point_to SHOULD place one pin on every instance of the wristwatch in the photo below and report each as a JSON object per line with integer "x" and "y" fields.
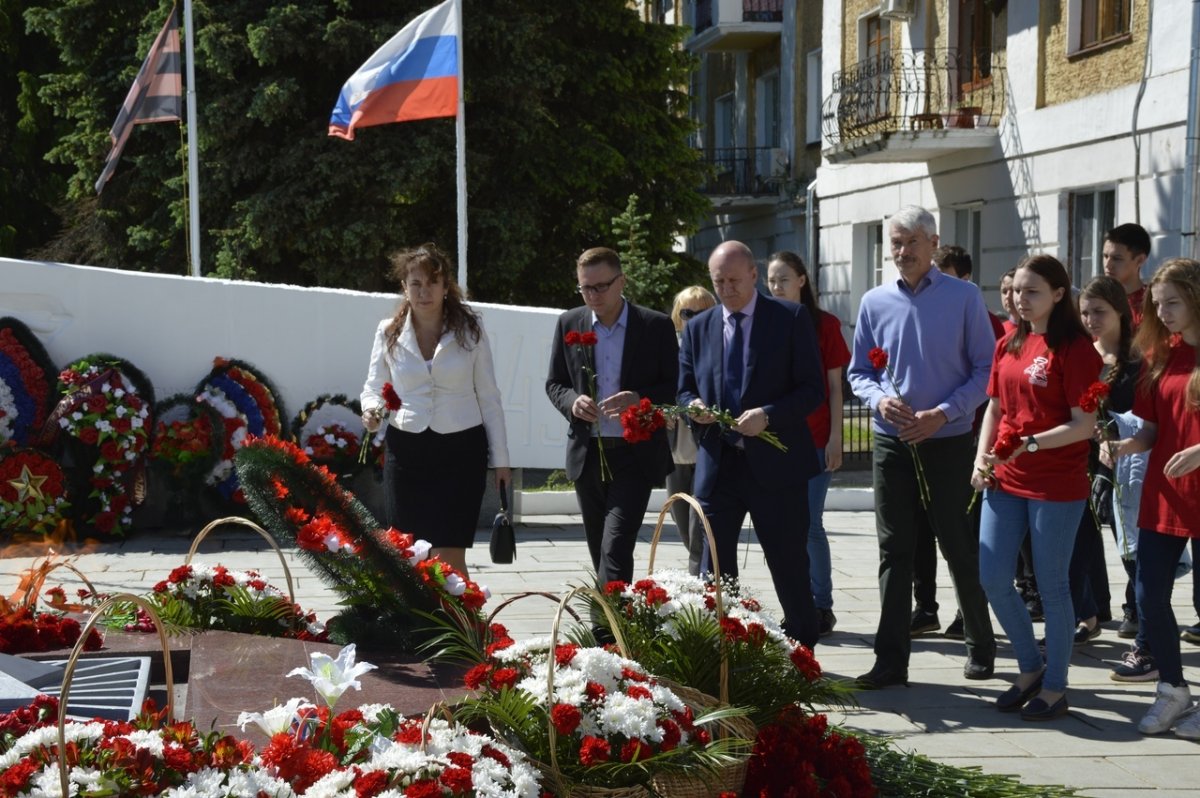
{"x": 1031, "y": 444}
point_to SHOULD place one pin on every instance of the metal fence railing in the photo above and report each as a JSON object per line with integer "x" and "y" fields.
{"x": 857, "y": 439}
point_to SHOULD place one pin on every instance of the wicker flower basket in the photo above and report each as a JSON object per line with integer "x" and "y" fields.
{"x": 731, "y": 777}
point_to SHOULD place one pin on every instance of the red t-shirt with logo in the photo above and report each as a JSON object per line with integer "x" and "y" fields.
{"x": 1037, "y": 389}
{"x": 1171, "y": 506}
{"x": 834, "y": 355}
{"x": 1135, "y": 306}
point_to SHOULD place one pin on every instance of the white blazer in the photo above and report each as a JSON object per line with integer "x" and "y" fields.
{"x": 457, "y": 393}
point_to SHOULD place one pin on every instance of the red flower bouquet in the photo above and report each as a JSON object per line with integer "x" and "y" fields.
{"x": 880, "y": 362}
{"x": 640, "y": 421}
{"x": 391, "y": 405}
{"x": 1005, "y": 444}
{"x": 585, "y": 343}
{"x": 799, "y": 755}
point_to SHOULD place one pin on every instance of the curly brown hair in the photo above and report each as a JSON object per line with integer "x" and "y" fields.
{"x": 1153, "y": 337}
{"x": 457, "y": 317}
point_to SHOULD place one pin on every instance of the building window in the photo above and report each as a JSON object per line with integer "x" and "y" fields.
{"x": 875, "y": 89}
{"x": 768, "y": 97}
{"x": 968, "y": 223}
{"x": 723, "y": 121}
{"x": 974, "y": 65}
{"x": 874, "y": 255}
{"x": 1092, "y": 214}
{"x": 1092, "y": 23}
{"x": 812, "y": 109}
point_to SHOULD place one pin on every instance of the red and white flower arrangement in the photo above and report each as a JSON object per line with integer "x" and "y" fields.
{"x": 332, "y": 446}
{"x": 666, "y": 618}
{"x": 102, "y": 409}
{"x": 614, "y": 724}
{"x": 799, "y": 755}
{"x": 215, "y": 597}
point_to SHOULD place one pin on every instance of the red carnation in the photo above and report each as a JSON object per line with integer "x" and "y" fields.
{"x": 594, "y": 691}
{"x": 587, "y": 339}
{"x": 878, "y": 358}
{"x": 368, "y": 785}
{"x": 425, "y": 788}
{"x": 390, "y": 397}
{"x": 571, "y": 338}
{"x": 566, "y": 718}
{"x": 89, "y": 435}
{"x": 637, "y": 691}
{"x": 1006, "y": 443}
{"x": 636, "y": 750}
{"x": 458, "y": 780}
{"x": 1093, "y": 397}
{"x": 504, "y": 677}
{"x": 594, "y": 751}
{"x": 563, "y": 654}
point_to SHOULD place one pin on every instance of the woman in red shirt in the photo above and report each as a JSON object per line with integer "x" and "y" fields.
{"x": 1168, "y": 400}
{"x": 788, "y": 279}
{"x": 1038, "y": 482}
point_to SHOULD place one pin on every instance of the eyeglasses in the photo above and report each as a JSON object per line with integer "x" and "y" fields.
{"x": 598, "y": 288}
{"x": 687, "y": 313}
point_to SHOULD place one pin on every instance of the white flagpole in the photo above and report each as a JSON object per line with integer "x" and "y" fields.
{"x": 460, "y": 137}
{"x": 193, "y": 158}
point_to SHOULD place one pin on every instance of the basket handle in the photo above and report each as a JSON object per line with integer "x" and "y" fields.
{"x": 77, "y": 651}
{"x": 528, "y": 594}
{"x": 438, "y": 708}
{"x": 716, "y": 564}
{"x": 616, "y": 630}
{"x": 264, "y": 534}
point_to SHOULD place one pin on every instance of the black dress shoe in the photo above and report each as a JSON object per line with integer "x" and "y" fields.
{"x": 1037, "y": 709}
{"x": 881, "y": 676}
{"x": 978, "y": 668}
{"x": 1014, "y": 697}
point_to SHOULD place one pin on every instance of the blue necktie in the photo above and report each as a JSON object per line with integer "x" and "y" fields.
{"x": 731, "y": 398}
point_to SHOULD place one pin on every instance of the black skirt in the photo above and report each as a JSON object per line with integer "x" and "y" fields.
{"x": 434, "y": 483}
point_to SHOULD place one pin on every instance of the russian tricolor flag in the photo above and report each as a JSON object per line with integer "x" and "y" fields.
{"x": 413, "y": 76}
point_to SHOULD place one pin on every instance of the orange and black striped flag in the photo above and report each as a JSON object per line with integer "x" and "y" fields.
{"x": 155, "y": 96}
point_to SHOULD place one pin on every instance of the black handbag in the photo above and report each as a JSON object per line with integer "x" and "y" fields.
{"x": 503, "y": 545}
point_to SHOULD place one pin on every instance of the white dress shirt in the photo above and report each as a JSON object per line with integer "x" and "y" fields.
{"x": 457, "y": 392}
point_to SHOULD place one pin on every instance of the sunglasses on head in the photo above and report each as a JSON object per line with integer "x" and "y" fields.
{"x": 687, "y": 313}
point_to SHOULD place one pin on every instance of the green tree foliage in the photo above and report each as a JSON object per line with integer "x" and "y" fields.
{"x": 571, "y": 107}
{"x": 29, "y": 187}
{"x": 652, "y": 284}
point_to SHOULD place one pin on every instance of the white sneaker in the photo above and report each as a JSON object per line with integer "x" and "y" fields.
{"x": 1170, "y": 703}
{"x": 1189, "y": 726}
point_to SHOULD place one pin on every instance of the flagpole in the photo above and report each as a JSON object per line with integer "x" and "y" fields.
{"x": 460, "y": 137}
{"x": 193, "y": 158}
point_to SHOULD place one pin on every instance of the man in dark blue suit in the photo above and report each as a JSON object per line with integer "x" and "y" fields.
{"x": 756, "y": 357}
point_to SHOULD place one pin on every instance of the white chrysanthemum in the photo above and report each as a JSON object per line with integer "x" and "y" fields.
{"x": 633, "y": 717}
{"x": 332, "y": 785}
{"x": 46, "y": 736}
{"x": 151, "y": 741}
{"x": 372, "y": 712}
{"x": 521, "y": 649}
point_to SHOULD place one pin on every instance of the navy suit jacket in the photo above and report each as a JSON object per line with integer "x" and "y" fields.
{"x": 783, "y": 377}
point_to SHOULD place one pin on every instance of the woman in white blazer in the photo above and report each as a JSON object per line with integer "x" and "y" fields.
{"x": 436, "y": 355}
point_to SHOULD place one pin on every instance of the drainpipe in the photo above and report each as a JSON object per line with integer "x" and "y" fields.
{"x": 1191, "y": 155}
{"x": 810, "y": 230}
{"x": 1137, "y": 105}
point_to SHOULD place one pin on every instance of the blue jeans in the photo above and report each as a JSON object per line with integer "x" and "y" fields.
{"x": 820, "y": 565}
{"x": 1051, "y": 528}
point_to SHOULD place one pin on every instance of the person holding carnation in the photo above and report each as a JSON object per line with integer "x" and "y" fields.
{"x": 1167, "y": 399}
{"x": 922, "y": 352}
{"x": 435, "y": 355}
{"x": 1042, "y": 372}
{"x": 787, "y": 278}
{"x": 608, "y": 355}
{"x": 688, "y": 303}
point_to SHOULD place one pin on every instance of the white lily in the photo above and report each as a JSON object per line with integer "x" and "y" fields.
{"x": 276, "y": 719}
{"x": 332, "y": 677}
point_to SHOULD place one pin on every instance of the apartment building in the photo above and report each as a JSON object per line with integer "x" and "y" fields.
{"x": 1026, "y": 127}
{"x": 757, "y": 100}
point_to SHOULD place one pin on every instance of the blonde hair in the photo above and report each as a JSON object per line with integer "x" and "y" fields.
{"x": 693, "y": 293}
{"x": 1153, "y": 337}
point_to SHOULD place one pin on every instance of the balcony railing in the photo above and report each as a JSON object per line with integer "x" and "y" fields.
{"x": 745, "y": 171}
{"x": 912, "y": 91}
{"x": 752, "y": 11}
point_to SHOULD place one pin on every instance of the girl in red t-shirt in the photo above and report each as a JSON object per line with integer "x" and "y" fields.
{"x": 1168, "y": 399}
{"x": 788, "y": 279}
{"x": 1032, "y": 460}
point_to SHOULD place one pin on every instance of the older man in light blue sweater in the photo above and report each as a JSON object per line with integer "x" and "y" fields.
{"x": 939, "y": 344}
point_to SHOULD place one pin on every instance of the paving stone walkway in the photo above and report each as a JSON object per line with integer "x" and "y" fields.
{"x": 1096, "y": 749}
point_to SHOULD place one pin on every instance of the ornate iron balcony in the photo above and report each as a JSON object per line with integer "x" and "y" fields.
{"x": 913, "y": 91}
{"x": 744, "y": 171}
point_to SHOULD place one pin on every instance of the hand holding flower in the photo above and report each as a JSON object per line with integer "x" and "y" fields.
{"x": 699, "y": 412}
{"x": 751, "y": 422}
